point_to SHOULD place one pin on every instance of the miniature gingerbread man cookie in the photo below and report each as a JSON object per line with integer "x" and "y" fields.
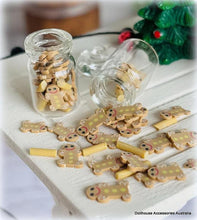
{"x": 33, "y": 127}
{"x": 134, "y": 163}
{"x": 64, "y": 133}
{"x": 190, "y": 163}
{"x": 164, "y": 172}
{"x": 56, "y": 98}
{"x": 91, "y": 124}
{"x": 130, "y": 119}
{"x": 109, "y": 139}
{"x": 174, "y": 112}
{"x": 147, "y": 181}
{"x": 122, "y": 125}
{"x": 128, "y": 71}
{"x": 182, "y": 138}
{"x": 104, "y": 192}
{"x": 109, "y": 163}
{"x": 129, "y": 132}
{"x": 156, "y": 145}
{"x": 139, "y": 123}
{"x": 112, "y": 124}
{"x": 70, "y": 156}
{"x": 119, "y": 113}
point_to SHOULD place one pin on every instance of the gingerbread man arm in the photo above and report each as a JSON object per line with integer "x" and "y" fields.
{"x": 91, "y": 163}
{"x": 144, "y": 179}
{"x": 100, "y": 110}
{"x": 50, "y": 129}
{"x": 102, "y": 198}
{"x": 61, "y": 163}
{"x": 62, "y": 93}
{"x": 83, "y": 121}
{"x": 159, "y": 149}
{"x": 47, "y": 96}
{"x": 115, "y": 136}
{"x": 178, "y": 146}
{"x": 126, "y": 197}
{"x": 191, "y": 143}
{"x": 61, "y": 137}
{"x": 93, "y": 130}
{"x": 181, "y": 176}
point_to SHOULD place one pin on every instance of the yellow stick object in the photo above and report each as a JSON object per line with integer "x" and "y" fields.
{"x": 63, "y": 85}
{"x": 66, "y": 110}
{"x": 135, "y": 150}
{"x": 43, "y": 152}
{"x": 122, "y": 174}
{"x": 119, "y": 93}
{"x": 165, "y": 123}
{"x": 94, "y": 149}
{"x": 42, "y": 86}
{"x": 42, "y": 102}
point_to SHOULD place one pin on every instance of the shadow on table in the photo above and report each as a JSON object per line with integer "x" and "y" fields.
{"x": 21, "y": 85}
{"x": 188, "y": 208}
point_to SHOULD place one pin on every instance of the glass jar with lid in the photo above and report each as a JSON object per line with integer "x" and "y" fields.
{"x": 51, "y": 72}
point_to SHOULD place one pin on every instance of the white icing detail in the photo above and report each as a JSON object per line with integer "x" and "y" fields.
{"x": 61, "y": 73}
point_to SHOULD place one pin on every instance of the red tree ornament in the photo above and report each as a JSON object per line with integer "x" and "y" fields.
{"x": 157, "y": 34}
{"x": 124, "y": 36}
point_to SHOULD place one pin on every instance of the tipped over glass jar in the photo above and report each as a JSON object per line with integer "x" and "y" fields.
{"x": 125, "y": 74}
{"x": 51, "y": 72}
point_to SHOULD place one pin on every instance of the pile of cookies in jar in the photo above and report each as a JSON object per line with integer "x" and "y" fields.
{"x": 55, "y": 82}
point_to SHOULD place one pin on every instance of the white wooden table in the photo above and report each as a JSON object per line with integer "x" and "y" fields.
{"x": 171, "y": 85}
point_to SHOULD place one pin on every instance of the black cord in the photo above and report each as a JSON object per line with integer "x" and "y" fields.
{"x": 95, "y": 34}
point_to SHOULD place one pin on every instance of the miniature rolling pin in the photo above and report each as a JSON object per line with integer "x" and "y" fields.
{"x": 165, "y": 123}
{"x": 94, "y": 149}
{"x": 42, "y": 102}
{"x": 122, "y": 174}
{"x": 43, "y": 152}
{"x": 119, "y": 93}
{"x": 135, "y": 150}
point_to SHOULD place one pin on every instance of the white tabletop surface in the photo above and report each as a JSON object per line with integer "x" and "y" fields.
{"x": 174, "y": 84}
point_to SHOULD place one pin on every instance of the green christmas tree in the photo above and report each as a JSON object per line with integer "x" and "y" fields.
{"x": 169, "y": 27}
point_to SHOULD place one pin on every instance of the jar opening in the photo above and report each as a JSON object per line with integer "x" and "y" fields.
{"x": 48, "y": 39}
{"x": 107, "y": 90}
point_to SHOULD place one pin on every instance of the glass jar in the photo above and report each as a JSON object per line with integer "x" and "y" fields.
{"x": 125, "y": 74}
{"x": 51, "y": 72}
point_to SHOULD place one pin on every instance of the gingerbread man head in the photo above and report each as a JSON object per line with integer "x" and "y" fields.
{"x": 111, "y": 113}
{"x": 92, "y": 137}
{"x": 93, "y": 192}
{"x": 64, "y": 148}
{"x": 153, "y": 172}
{"x": 166, "y": 114}
{"x": 146, "y": 146}
{"x": 52, "y": 89}
{"x": 82, "y": 130}
{"x": 72, "y": 136}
